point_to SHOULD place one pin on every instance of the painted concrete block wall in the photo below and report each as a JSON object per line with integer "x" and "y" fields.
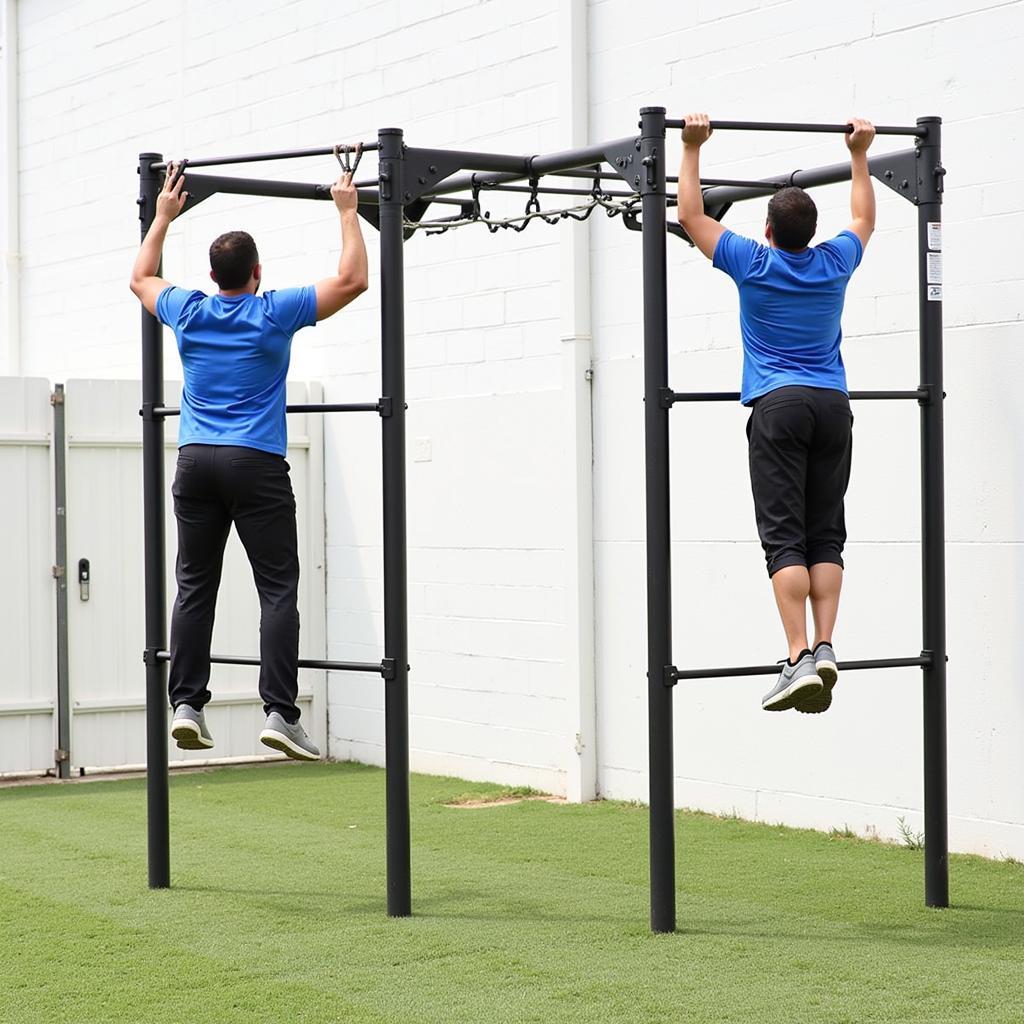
{"x": 860, "y": 764}
{"x": 103, "y": 80}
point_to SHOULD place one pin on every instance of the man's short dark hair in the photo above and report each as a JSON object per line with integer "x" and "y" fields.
{"x": 793, "y": 217}
{"x": 232, "y": 258}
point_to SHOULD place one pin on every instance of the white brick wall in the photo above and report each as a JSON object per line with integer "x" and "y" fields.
{"x": 102, "y": 80}
{"x": 861, "y": 764}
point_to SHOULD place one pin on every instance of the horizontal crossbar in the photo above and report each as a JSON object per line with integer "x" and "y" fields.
{"x": 798, "y": 126}
{"x": 922, "y": 661}
{"x": 251, "y": 158}
{"x": 378, "y": 668}
{"x": 171, "y": 410}
{"x": 920, "y": 395}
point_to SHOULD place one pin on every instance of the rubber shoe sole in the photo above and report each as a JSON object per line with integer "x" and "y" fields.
{"x": 816, "y": 703}
{"x": 798, "y": 691}
{"x": 188, "y": 737}
{"x": 278, "y": 741}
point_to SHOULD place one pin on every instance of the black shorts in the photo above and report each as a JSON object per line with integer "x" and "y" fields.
{"x": 800, "y": 446}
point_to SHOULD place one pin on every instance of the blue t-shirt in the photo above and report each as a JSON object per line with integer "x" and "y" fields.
{"x": 235, "y": 352}
{"x": 790, "y": 307}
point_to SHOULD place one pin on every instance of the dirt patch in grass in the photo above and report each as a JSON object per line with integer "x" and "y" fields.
{"x": 477, "y": 801}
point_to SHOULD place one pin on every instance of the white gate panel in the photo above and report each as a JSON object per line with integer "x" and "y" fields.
{"x": 107, "y": 631}
{"x": 28, "y": 667}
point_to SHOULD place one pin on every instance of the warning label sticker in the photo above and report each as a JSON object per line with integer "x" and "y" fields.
{"x": 934, "y": 268}
{"x": 935, "y": 236}
{"x": 935, "y": 293}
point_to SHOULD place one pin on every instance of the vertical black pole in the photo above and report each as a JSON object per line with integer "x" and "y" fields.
{"x": 396, "y": 629}
{"x": 659, "y": 570}
{"x": 156, "y": 600}
{"x": 63, "y": 754}
{"x": 933, "y": 554}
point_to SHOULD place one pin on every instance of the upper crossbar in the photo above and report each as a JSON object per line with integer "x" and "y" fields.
{"x": 799, "y": 126}
{"x": 251, "y": 158}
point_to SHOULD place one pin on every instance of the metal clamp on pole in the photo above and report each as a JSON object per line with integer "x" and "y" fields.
{"x": 384, "y": 407}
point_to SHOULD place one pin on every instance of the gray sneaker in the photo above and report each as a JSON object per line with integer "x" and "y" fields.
{"x": 796, "y": 683}
{"x": 828, "y": 673}
{"x": 188, "y": 728}
{"x": 289, "y": 739}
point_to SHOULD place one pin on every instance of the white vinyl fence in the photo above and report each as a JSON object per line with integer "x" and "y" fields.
{"x": 106, "y": 619}
{"x": 28, "y": 666}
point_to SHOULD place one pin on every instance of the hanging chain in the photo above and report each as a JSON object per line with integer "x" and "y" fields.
{"x": 471, "y": 213}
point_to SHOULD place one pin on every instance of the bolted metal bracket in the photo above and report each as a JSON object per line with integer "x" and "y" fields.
{"x": 388, "y": 669}
{"x": 149, "y": 657}
{"x": 371, "y": 214}
{"x": 60, "y": 756}
{"x": 666, "y": 398}
{"x": 902, "y": 172}
{"x": 197, "y": 192}
{"x": 628, "y": 165}
{"x": 424, "y": 168}
{"x": 384, "y": 407}
{"x": 669, "y": 675}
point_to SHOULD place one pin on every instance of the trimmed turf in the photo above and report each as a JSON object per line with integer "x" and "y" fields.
{"x": 525, "y": 912}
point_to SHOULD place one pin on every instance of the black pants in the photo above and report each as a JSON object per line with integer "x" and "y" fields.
{"x": 213, "y": 488}
{"x": 800, "y": 447}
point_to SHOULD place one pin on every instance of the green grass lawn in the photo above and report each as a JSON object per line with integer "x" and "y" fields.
{"x": 527, "y": 912}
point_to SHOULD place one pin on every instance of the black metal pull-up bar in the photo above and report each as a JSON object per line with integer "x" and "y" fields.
{"x": 159, "y": 166}
{"x": 393, "y": 667}
{"x": 916, "y": 174}
{"x": 408, "y": 181}
{"x": 797, "y": 126}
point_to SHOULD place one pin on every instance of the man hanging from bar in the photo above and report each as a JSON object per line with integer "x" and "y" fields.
{"x": 235, "y": 348}
{"x": 800, "y": 426}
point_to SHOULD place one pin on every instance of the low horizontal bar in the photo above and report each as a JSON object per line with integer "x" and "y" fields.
{"x": 171, "y": 410}
{"x": 798, "y": 126}
{"x": 734, "y": 396}
{"x": 336, "y": 407}
{"x": 922, "y": 661}
{"x": 316, "y": 663}
{"x": 251, "y": 158}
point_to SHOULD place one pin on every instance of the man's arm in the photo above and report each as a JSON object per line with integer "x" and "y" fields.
{"x": 146, "y": 285}
{"x": 704, "y": 231}
{"x": 334, "y": 293}
{"x": 862, "y": 192}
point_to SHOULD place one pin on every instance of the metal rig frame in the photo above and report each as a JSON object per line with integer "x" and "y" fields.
{"x": 409, "y": 181}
